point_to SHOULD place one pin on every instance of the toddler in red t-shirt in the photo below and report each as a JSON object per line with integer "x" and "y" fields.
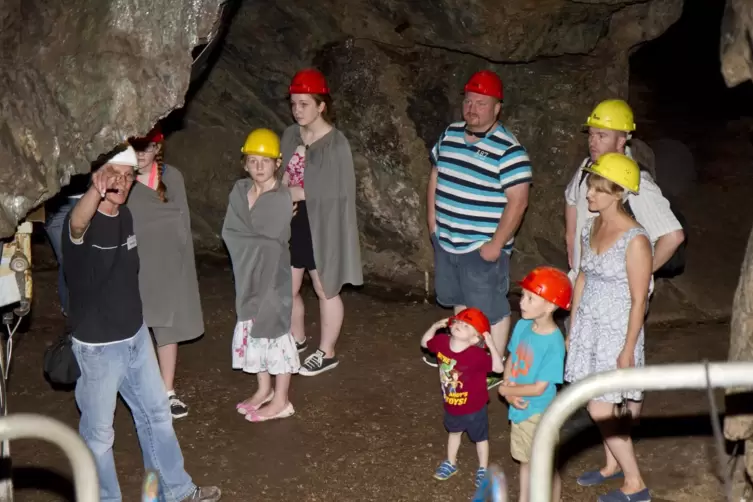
{"x": 463, "y": 366}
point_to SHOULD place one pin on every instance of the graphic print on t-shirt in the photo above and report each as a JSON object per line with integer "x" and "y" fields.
{"x": 449, "y": 376}
{"x": 462, "y": 375}
{"x": 523, "y": 360}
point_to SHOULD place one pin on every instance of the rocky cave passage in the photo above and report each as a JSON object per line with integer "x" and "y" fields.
{"x": 68, "y": 96}
{"x": 396, "y": 70}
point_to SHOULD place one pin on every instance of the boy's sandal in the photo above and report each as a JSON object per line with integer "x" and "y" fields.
{"x": 245, "y": 409}
{"x": 480, "y": 475}
{"x": 445, "y": 471}
{"x": 593, "y": 478}
{"x": 620, "y": 496}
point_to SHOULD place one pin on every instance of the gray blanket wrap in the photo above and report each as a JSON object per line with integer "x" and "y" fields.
{"x": 258, "y": 241}
{"x": 167, "y": 276}
{"x": 330, "y": 187}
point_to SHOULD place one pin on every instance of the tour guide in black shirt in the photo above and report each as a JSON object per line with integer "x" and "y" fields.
{"x": 110, "y": 341}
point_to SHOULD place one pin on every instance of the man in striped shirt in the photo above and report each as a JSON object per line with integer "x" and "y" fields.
{"x": 477, "y": 194}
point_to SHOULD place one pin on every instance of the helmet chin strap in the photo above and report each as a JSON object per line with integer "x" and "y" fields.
{"x": 479, "y": 134}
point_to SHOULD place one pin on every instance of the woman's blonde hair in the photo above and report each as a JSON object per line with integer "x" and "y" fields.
{"x": 603, "y": 185}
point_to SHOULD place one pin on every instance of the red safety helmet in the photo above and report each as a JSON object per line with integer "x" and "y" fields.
{"x": 475, "y": 318}
{"x": 552, "y": 284}
{"x": 485, "y": 82}
{"x": 309, "y": 81}
{"x": 153, "y": 136}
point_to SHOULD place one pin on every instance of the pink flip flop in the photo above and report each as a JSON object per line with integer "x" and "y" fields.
{"x": 286, "y": 412}
{"x": 245, "y": 409}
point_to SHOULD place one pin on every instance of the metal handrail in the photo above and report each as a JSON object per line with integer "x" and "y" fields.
{"x": 655, "y": 377}
{"x": 31, "y": 425}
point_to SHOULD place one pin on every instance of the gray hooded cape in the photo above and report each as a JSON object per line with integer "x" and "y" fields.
{"x": 258, "y": 241}
{"x": 330, "y": 187}
{"x": 167, "y": 274}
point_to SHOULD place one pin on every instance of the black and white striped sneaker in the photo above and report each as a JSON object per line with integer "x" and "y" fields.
{"x": 431, "y": 360}
{"x": 301, "y": 346}
{"x": 178, "y": 408}
{"x": 316, "y": 363}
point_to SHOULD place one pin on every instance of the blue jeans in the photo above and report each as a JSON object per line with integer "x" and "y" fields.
{"x": 130, "y": 368}
{"x": 55, "y": 212}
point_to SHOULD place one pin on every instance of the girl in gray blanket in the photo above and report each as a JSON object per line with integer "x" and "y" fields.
{"x": 257, "y": 234}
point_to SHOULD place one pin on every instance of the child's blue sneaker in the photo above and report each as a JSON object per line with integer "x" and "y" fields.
{"x": 445, "y": 471}
{"x": 480, "y": 475}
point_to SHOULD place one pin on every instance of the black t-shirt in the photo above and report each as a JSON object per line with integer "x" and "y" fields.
{"x": 102, "y": 274}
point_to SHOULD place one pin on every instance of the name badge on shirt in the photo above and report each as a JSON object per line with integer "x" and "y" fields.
{"x": 131, "y": 242}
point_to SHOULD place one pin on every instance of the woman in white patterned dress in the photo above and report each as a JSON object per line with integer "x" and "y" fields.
{"x": 609, "y": 302}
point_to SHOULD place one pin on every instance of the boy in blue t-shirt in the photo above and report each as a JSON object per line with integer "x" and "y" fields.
{"x": 536, "y": 364}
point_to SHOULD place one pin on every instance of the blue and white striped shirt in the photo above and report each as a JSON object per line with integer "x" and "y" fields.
{"x": 470, "y": 196}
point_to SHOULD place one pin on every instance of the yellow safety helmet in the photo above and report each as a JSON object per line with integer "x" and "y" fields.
{"x": 617, "y": 168}
{"x": 614, "y": 114}
{"x": 262, "y": 142}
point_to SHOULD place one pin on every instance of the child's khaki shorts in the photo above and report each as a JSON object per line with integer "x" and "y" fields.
{"x": 521, "y": 438}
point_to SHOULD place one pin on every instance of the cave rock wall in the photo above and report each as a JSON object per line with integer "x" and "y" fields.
{"x": 397, "y": 70}
{"x": 736, "y": 49}
{"x": 77, "y": 78}
{"x": 737, "y": 42}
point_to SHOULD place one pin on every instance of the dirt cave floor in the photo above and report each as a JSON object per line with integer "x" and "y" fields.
{"x": 369, "y": 430}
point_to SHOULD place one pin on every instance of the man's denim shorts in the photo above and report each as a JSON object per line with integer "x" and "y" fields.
{"x": 467, "y": 279}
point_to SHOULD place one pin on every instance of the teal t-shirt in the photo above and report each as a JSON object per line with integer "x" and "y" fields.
{"x": 535, "y": 358}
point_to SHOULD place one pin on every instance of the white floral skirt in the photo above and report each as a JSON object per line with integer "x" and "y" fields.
{"x": 254, "y": 355}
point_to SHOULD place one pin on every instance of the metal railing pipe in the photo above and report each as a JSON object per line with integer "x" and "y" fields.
{"x": 33, "y": 426}
{"x": 649, "y": 378}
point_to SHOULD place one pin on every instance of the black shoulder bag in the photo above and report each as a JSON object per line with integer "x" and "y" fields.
{"x": 60, "y": 364}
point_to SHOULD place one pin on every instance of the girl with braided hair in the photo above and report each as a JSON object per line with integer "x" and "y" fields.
{"x": 167, "y": 276}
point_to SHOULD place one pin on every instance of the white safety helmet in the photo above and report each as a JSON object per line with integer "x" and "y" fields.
{"x": 125, "y": 158}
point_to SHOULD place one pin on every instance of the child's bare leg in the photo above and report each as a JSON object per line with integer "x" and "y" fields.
{"x": 280, "y": 401}
{"x": 263, "y": 391}
{"x": 482, "y": 450}
{"x": 332, "y": 312}
{"x": 297, "y": 326}
{"x": 525, "y": 482}
{"x": 453, "y": 445}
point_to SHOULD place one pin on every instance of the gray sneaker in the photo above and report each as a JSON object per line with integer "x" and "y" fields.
{"x": 205, "y": 494}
